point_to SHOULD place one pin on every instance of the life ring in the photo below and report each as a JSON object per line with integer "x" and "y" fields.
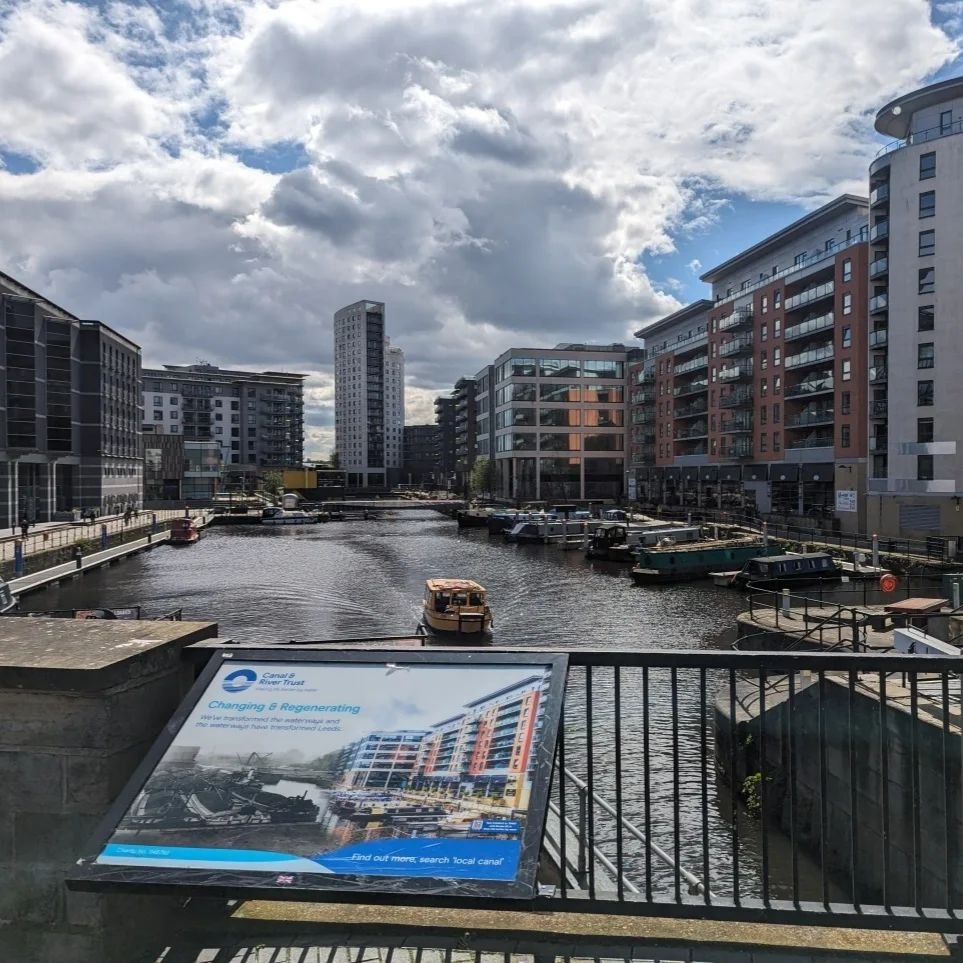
{"x": 888, "y": 582}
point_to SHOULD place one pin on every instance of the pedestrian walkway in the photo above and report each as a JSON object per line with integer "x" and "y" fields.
{"x": 47, "y": 536}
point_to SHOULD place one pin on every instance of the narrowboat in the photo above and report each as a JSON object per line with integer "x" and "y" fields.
{"x": 184, "y": 532}
{"x": 620, "y": 541}
{"x": 456, "y": 607}
{"x": 785, "y": 571}
{"x": 678, "y": 563}
{"x": 548, "y": 530}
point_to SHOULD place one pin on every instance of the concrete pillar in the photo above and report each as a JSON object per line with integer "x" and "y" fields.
{"x": 51, "y": 491}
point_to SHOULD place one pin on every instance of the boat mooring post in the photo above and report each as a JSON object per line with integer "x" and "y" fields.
{"x": 785, "y": 602}
{"x": 956, "y": 595}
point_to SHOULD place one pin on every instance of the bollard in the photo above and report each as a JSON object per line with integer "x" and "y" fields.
{"x": 103, "y": 536}
{"x": 956, "y": 595}
{"x": 18, "y": 557}
{"x": 785, "y": 601}
{"x": 153, "y": 522}
{"x": 875, "y": 551}
{"x": 78, "y": 557}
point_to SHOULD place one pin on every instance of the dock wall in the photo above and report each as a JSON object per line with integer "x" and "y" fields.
{"x": 938, "y": 849}
{"x": 80, "y": 704}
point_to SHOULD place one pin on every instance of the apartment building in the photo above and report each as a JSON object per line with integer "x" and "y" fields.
{"x": 466, "y": 413}
{"x": 754, "y": 399}
{"x": 915, "y": 289}
{"x": 559, "y": 427}
{"x": 382, "y": 760}
{"x": 256, "y": 419}
{"x": 422, "y": 455}
{"x": 369, "y": 396}
{"x": 70, "y": 412}
{"x": 445, "y": 420}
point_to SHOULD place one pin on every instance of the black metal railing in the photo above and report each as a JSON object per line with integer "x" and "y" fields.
{"x": 805, "y": 787}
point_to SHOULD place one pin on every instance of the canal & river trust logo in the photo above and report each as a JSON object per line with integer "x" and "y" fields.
{"x": 240, "y": 680}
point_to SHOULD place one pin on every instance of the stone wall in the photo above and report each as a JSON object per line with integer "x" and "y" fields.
{"x": 80, "y": 704}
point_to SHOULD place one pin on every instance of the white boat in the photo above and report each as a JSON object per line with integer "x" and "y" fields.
{"x": 284, "y": 516}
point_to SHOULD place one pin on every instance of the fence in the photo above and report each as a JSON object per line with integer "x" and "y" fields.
{"x": 797, "y": 787}
{"x": 931, "y": 549}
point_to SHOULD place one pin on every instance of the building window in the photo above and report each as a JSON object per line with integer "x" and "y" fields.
{"x": 925, "y": 318}
{"x": 776, "y": 357}
{"x": 763, "y": 360}
{"x": 763, "y": 415}
{"x": 927, "y": 203}
{"x": 927, "y": 243}
{"x": 799, "y": 259}
{"x": 847, "y": 369}
{"x": 847, "y": 337}
{"x": 829, "y": 245}
{"x": 173, "y": 401}
{"x": 927, "y": 166}
{"x": 764, "y": 442}
{"x": 848, "y": 269}
{"x": 764, "y": 332}
{"x": 762, "y": 388}
{"x": 158, "y": 415}
{"x": 845, "y": 403}
{"x": 924, "y": 394}
{"x": 765, "y": 303}
{"x": 847, "y": 304}
{"x": 924, "y": 430}
{"x": 946, "y": 121}
{"x": 776, "y": 441}
{"x": 158, "y": 400}
{"x": 844, "y": 436}
{"x": 173, "y": 414}
{"x": 777, "y": 384}
{"x": 927, "y": 280}
{"x": 777, "y": 327}
{"x": 924, "y": 467}
{"x": 777, "y": 298}
{"x": 776, "y": 414}
{"x": 925, "y": 355}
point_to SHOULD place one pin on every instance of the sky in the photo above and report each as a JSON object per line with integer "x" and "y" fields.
{"x": 216, "y": 177}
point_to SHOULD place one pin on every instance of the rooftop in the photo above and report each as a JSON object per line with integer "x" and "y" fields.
{"x": 822, "y": 214}
{"x": 895, "y": 118}
{"x": 203, "y": 368}
{"x": 692, "y": 310}
{"x": 17, "y": 289}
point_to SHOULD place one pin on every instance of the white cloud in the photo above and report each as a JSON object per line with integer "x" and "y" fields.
{"x": 494, "y": 172}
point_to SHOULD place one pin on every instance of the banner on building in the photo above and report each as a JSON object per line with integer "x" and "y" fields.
{"x": 845, "y": 500}
{"x": 394, "y": 771}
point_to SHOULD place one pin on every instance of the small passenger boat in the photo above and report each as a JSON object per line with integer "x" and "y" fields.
{"x": 456, "y": 606}
{"x": 785, "y": 571}
{"x": 184, "y": 532}
{"x": 285, "y": 516}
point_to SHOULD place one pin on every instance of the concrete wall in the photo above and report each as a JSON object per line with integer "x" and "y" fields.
{"x": 935, "y": 848}
{"x": 79, "y": 713}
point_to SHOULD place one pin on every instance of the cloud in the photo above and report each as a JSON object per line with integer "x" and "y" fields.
{"x": 215, "y": 179}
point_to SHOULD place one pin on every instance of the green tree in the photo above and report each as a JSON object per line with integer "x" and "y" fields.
{"x": 333, "y": 460}
{"x": 482, "y": 476}
{"x": 272, "y": 482}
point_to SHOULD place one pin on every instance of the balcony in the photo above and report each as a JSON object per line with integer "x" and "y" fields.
{"x": 878, "y": 303}
{"x": 740, "y": 448}
{"x": 878, "y": 444}
{"x": 810, "y": 419}
{"x": 646, "y": 377}
{"x": 818, "y": 439}
{"x": 644, "y": 417}
{"x": 878, "y": 267}
{"x": 643, "y": 397}
{"x": 879, "y": 231}
{"x": 696, "y": 431}
{"x": 879, "y": 196}
{"x": 694, "y": 365}
{"x": 739, "y": 318}
{"x": 811, "y": 387}
{"x": 739, "y": 372}
{"x": 691, "y": 411}
{"x": 689, "y": 343}
{"x": 739, "y": 345}
{"x": 739, "y": 423}
{"x": 736, "y": 398}
{"x": 692, "y": 388}
{"x": 878, "y": 374}
{"x": 812, "y": 356}
{"x": 809, "y": 326}
{"x": 693, "y": 448}
{"x": 879, "y": 409}
{"x": 879, "y": 338}
{"x": 809, "y": 296}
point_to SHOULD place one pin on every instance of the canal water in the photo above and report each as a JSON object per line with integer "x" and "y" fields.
{"x": 358, "y": 578}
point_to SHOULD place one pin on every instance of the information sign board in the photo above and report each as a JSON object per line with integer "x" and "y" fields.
{"x": 300, "y": 772}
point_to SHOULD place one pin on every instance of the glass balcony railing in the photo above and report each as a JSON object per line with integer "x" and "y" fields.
{"x": 810, "y": 295}
{"x": 877, "y": 374}
{"x": 878, "y": 267}
{"x": 738, "y": 345}
{"x": 879, "y": 231}
{"x": 878, "y": 443}
{"x": 878, "y": 303}
{"x": 738, "y": 318}
{"x": 878, "y": 409}
{"x": 880, "y": 195}
{"x": 808, "y": 419}
{"x": 736, "y": 399}
{"x": 732, "y": 426}
{"x": 811, "y": 386}
{"x": 809, "y": 326}
{"x": 692, "y": 388}
{"x": 823, "y": 439}
{"x": 879, "y": 338}
{"x": 691, "y": 411}
{"x": 812, "y": 356}
{"x": 696, "y": 431}
{"x": 694, "y": 365}
{"x": 737, "y": 372}
{"x": 741, "y": 448}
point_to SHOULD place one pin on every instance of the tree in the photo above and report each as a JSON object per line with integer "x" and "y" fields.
{"x": 272, "y": 483}
{"x": 482, "y": 476}
{"x": 333, "y": 460}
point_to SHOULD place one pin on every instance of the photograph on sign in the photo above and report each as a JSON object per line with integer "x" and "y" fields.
{"x": 313, "y": 772}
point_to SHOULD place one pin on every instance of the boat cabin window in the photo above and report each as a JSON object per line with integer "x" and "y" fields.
{"x": 475, "y": 598}
{"x": 442, "y": 600}
{"x": 459, "y": 598}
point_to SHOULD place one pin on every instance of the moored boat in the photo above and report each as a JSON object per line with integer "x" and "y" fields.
{"x": 456, "y": 607}
{"x": 284, "y": 516}
{"x": 785, "y": 571}
{"x": 184, "y": 532}
{"x": 678, "y": 563}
